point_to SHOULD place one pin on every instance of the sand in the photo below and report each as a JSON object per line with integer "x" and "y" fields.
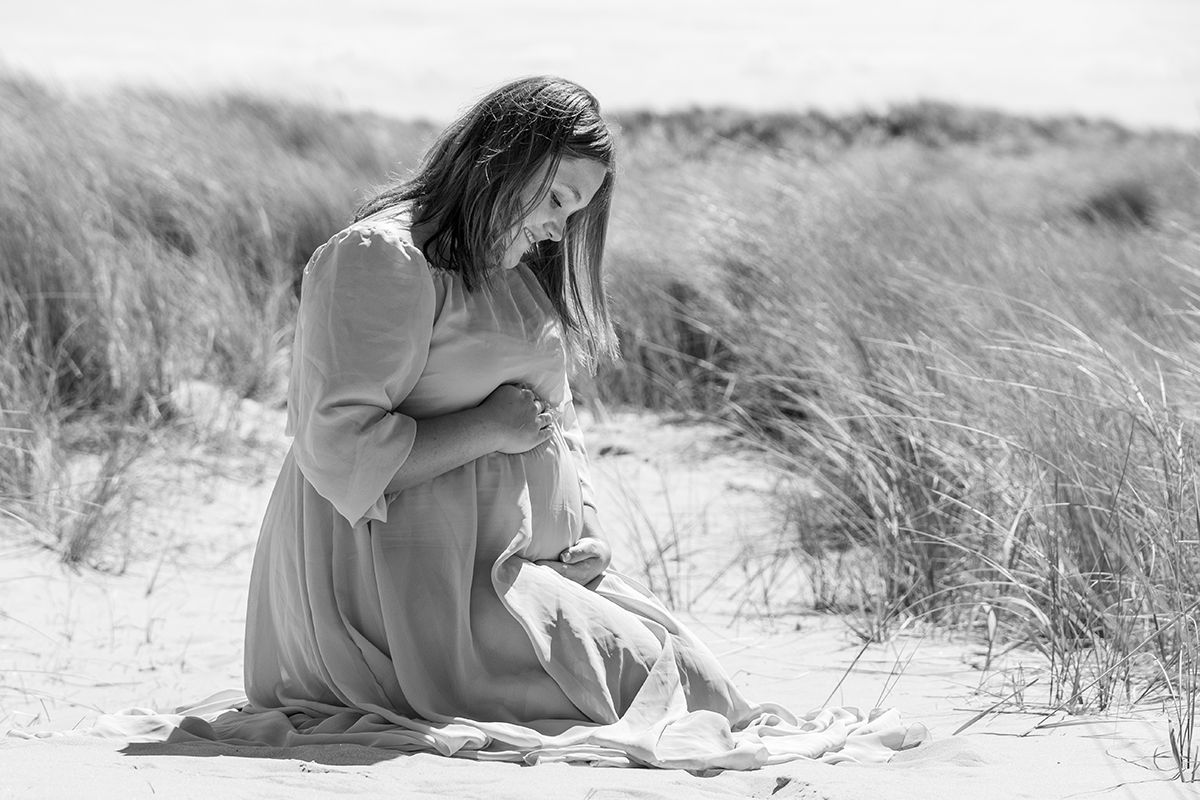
{"x": 167, "y": 631}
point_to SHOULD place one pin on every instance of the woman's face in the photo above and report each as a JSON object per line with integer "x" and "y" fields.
{"x": 571, "y": 189}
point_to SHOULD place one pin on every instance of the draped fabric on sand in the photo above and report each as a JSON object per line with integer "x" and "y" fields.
{"x": 418, "y": 620}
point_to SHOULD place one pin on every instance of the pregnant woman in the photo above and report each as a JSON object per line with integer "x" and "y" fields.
{"x": 431, "y": 573}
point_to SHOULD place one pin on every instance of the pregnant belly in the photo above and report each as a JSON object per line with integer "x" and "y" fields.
{"x": 482, "y": 506}
{"x": 556, "y": 505}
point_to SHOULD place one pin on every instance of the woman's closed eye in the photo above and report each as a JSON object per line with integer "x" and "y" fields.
{"x": 554, "y": 200}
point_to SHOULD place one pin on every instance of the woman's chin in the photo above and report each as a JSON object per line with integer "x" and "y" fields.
{"x": 512, "y": 259}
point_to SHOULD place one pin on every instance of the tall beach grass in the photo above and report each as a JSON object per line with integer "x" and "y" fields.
{"x": 986, "y": 360}
{"x": 146, "y": 239}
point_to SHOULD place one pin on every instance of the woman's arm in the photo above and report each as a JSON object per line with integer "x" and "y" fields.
{"x": 367, "y": 311}
{"x": 510, "y": 420}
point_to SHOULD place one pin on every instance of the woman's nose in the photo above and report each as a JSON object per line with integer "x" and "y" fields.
{"x": 554, "y": 230}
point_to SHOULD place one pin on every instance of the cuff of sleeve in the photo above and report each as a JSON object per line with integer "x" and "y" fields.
{"x": 356, "y": 484}
{"x": 377, "y": 512}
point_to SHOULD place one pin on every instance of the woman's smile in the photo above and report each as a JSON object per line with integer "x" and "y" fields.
{"x": 572, "y": 187}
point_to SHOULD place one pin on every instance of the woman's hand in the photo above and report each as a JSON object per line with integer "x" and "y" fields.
{"x": 583, "y": 561}
{"x": 518, "y": 417}
{"x": 587, "y": 559}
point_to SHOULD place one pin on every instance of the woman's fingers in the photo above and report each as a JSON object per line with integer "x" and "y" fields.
{"x": 583, "y": 571}
{"x": 539, "y": 404}
{"x": 541, "y": 408}
{"x": 583, "y": 561}
{"x": 522, "y": 419}
{"x": 587, "y": 547}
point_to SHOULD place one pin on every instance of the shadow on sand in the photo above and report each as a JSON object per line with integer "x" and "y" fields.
{"x": 195, "y": 737}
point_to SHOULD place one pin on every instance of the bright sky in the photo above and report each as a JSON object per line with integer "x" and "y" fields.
{"x": 1137, "y": 61}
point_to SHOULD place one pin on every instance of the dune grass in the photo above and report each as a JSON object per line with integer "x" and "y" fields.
{"x": 146, "y": 239}
{"x": 993, "y": 382}
{"x": 977, "y": 334}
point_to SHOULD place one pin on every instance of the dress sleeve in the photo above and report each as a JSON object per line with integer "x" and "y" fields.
{"x": 362, "y": 339}
{"x": 573, "y": 435}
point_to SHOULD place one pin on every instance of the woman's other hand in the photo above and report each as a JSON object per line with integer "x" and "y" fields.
{"x": 587, "y": 559}
{"x": 518, "y": 416}
{"x": 583, "y": 561}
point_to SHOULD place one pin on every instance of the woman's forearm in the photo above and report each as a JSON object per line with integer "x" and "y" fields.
{"x": 510, "y": 420}
{"x": 442, "y": 444}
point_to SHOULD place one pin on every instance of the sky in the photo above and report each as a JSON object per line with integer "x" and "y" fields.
{"x": 1135, "y": 61}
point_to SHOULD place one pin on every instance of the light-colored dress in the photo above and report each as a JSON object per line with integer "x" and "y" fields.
{"x": 419, "y": 620}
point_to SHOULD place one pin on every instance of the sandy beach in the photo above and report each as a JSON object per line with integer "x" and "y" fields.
{"x": 166, "y": 631}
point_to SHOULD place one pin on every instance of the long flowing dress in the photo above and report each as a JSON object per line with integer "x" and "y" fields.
{"x": 418, "y": 620}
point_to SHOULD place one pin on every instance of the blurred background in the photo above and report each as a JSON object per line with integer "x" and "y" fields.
{"x": 1135, "y": 61}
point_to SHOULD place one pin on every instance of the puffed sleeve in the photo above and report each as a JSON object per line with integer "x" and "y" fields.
{"x": 573, "y": 435}
{"x": 362, "y": 338}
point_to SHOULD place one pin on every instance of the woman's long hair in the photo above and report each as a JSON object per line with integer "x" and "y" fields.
{"x": 469, "y": 185}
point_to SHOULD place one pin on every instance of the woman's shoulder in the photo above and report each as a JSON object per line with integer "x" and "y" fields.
{"x": 389, "y": 229}
{"x": 372, "y": 264}
{"x": 381, "y": 240}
